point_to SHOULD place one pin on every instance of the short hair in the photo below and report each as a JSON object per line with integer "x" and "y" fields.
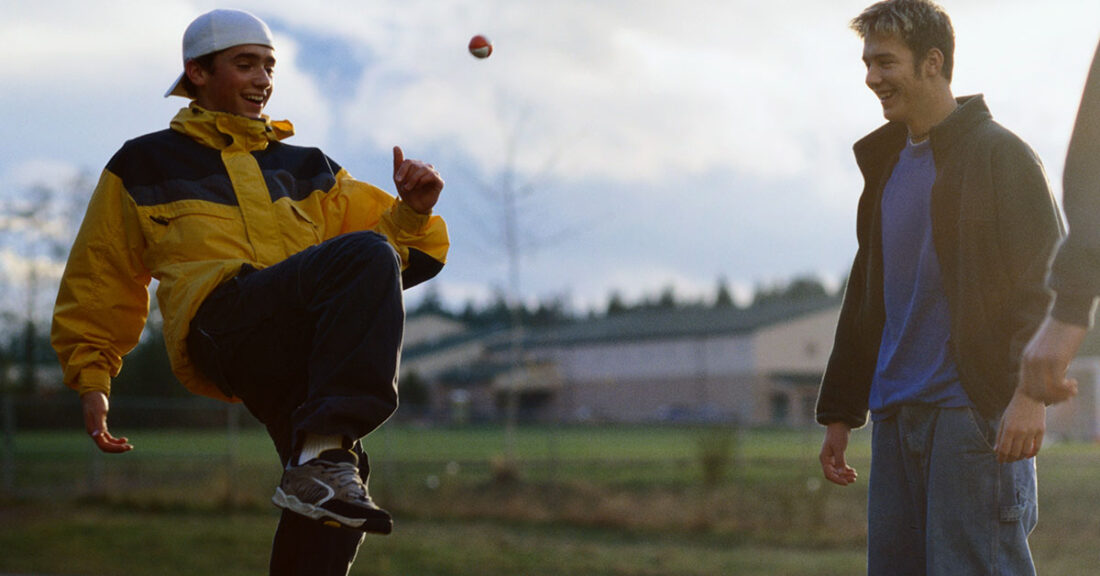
{"x": 921, "y": 24}
{"x": 206, "y": 61}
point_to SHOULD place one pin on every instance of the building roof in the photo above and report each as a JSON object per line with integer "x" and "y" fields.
{"x": 634, "y": 326}
{"x": 681, "y": 322}
{"x": 435, "y": 346}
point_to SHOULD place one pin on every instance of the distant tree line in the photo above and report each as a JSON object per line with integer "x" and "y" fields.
{"x": 556, "y": 310}
{"x": 146, "y": 370}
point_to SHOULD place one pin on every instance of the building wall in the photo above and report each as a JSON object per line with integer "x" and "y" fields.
{"x": 781, "y": 402}
{"x": 802, "y": 345}
{"x": 1079, "y": 417}
{"x": 670, "y": 379}
{"x": 700, "y": 358}
{"x": 655, "y": 399}
{"x": 764, "y": 378}
{"x": 734, "y": 376}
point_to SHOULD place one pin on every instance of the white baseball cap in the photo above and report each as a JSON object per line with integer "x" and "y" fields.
{"x": 217, "y": 30}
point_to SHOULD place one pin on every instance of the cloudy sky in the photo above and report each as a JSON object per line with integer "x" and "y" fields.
{"x": 649, "y": 143}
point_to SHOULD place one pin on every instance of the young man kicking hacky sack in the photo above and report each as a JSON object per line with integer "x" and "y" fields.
{"x": 280, "y": 283}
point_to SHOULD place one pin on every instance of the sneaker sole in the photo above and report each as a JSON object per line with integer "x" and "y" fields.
{"x": 292, "y": 503}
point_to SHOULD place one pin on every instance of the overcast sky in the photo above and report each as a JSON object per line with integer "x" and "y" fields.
{"x": 655, "y": 143}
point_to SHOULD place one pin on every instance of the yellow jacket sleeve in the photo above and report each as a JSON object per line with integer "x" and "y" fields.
{"x": 421, "y": 240}
{"x": 104, "y": 299}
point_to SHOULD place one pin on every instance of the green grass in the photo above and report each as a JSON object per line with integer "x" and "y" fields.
{"x": 619, "y": 456}
{"x": 588, "y": 500}
{"x": 121, "y": 541}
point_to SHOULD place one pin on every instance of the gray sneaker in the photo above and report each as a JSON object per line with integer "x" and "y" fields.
{"x": 329, "y": 489}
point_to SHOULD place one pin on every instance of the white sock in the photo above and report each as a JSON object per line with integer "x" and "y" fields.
{"x": 314, "y": 444}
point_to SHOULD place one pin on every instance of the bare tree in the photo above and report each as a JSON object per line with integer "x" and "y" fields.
{"x": 37, "y": 227}
{"x": 506, "y": 199}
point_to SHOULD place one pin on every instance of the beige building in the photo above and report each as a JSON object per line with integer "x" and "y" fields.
{"x": 436, "y": 344}
{"x": 758, "y": 366}
{"x": 1079, "y": 418}
{"x": 793, "y": 355}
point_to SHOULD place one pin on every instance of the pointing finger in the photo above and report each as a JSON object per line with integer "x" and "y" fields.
{"x": 398, "y": 162}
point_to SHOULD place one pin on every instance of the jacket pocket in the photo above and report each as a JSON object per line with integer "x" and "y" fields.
{"x": 189, "y": 230}
{"x": 301, "y": 223}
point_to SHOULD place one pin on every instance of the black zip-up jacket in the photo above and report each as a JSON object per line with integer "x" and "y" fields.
{"x": 994, "y": 229}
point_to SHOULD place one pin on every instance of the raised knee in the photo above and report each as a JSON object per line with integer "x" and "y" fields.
{"x": 372, "y": 248}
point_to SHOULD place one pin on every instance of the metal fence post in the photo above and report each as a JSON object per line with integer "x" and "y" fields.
{"x": 8, "y": 448}
{"x": 95, "y": 471}
{"x": 233, "y": 450}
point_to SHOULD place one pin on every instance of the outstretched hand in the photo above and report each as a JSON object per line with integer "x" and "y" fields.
{"x": 418, "y": 183}
{"x": 95, "y": 408}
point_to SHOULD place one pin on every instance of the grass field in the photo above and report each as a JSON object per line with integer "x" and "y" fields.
{"x": 580, "y": 500}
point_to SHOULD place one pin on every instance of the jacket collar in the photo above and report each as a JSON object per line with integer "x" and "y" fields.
{"x": 971, "y": 112}
{"x": 221, "y": 130}
{"x": 879, "y": 147}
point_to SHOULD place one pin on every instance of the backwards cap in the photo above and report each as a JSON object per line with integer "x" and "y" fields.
{"x": 217, "y": 30}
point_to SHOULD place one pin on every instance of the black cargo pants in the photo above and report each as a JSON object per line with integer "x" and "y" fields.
{"x": 309, "y": 345}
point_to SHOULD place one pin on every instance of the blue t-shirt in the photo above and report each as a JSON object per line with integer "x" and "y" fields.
{"x": 914, "y": 363}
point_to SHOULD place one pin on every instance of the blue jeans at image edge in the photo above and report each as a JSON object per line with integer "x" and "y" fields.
{"x": 940, "y": 504}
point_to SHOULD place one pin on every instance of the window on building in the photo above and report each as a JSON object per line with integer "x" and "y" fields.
{"x": 780, "y": 408}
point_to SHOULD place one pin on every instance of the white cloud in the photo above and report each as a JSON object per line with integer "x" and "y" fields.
{"x": 615, "y": 89}
{"x": 694, "y": 119}
{"x": 48, "y": 172}
{"x": 301, "y": 100}
{"x": 68, "y": 43}
{"x": 28, "y": 284}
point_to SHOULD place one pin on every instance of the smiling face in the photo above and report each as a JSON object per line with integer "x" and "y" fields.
{"x": 238, "y": 82}
{"x": 902, "y": 85}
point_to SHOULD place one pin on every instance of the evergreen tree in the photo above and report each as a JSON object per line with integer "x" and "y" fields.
{"x": 724, "y": 299}
{"x": 615, "y": 304}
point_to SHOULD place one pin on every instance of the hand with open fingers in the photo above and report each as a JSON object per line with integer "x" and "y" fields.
{"x": 95, "y": 408}
{"x": 1045, "y": 360}
{"x": 833, "y": 465}
{"x": 1022, "y": 427}
{"x": 418, "y": 183}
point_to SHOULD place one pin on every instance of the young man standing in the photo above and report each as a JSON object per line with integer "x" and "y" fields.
{"x": 955, "y": 227}
{"x": 280, "y": 280}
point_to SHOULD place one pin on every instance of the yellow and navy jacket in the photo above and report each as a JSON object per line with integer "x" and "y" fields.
{"x": 189, "y": 206}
